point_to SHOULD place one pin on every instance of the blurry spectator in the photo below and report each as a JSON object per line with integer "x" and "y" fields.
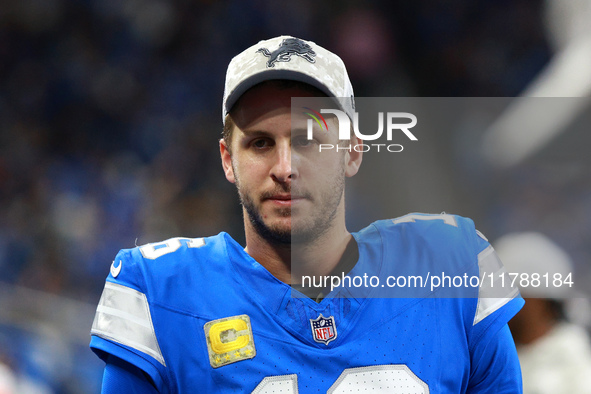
{"x": 7, "y": 380}
{"x": 555, "y": 354}
{"x": 11, "y": 382}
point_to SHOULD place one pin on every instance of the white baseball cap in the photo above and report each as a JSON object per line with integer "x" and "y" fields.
{"x": 291, "y": 58}
{"x": 534, "y": 253}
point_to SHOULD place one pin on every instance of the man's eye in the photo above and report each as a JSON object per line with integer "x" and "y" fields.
{"x": 301, "y": 141}
{"x": 260, "y": 143}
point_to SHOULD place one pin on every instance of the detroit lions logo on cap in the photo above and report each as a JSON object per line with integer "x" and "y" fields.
{"x": 324, "y": 329}
{"x": 287, "y": 48}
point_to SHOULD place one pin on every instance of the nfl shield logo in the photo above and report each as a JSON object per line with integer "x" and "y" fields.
{"x": 324, "y": 329}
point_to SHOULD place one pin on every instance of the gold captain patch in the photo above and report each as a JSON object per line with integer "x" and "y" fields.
{"x": 229, "y": 340}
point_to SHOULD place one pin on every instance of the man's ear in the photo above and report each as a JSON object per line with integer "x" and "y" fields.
{"x": 227, "y": 161}
{"x": 353, "y": 158}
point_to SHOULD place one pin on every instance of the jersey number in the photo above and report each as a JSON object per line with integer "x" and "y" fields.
{"x": 395, "y": 379}
{"x": 411, "y": 217}
{"x": 159, "y": 249}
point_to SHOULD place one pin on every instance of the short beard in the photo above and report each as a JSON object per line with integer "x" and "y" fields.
{"x": 274, "y": 236}
{"x": 278, "y": 236}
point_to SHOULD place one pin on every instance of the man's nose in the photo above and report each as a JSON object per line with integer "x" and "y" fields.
{"x": 283, "y": 170}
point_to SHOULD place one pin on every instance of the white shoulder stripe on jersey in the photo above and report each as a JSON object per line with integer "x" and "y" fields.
{"x": 123, "y": 316}
{"x": 496, "y": 290}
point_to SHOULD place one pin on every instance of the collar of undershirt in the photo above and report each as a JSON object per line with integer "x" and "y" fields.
{"x": 344, "y": 266}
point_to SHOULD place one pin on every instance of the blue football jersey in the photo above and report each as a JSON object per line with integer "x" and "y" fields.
{"x": 201, "y": 315}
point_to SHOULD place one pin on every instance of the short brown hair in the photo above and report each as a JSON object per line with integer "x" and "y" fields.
{"x": 227, "y": 131}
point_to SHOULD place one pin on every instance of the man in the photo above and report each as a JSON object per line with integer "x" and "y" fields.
{"x": 207, "y": 315}
{"x": 555, "y": 354}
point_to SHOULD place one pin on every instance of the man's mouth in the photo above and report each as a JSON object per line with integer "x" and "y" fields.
{"x": 285, "y": 199}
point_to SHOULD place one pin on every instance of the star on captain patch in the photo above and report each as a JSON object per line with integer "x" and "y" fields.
{"x": 229, "y": 340}
{"x": 324, "y": 329}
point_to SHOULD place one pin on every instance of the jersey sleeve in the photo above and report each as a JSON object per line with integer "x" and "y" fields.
{"x": 123, "y": 325}
{"x": 122, "y": 377}
{"x": 495, "y": 367}
{"x": 494, "y": 363}
{"x": 498, "y": 297}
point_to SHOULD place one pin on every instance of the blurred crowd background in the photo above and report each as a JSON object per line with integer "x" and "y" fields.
{"x": 110, "y": 117}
